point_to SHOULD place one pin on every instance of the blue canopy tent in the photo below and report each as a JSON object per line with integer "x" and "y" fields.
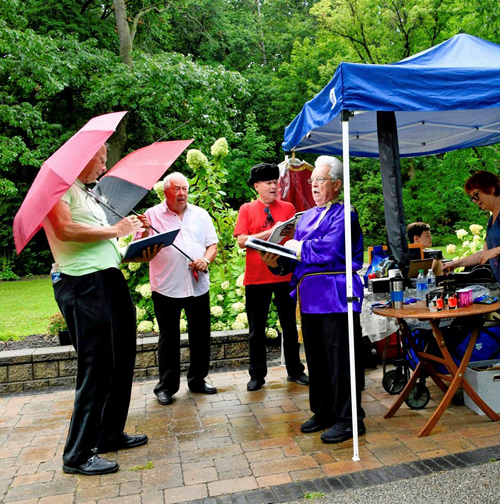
{"x": 444, "y": 98}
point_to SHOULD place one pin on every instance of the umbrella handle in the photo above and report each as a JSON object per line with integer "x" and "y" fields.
{"x": 182, "y": 252}
{"x": 171, "y": 131}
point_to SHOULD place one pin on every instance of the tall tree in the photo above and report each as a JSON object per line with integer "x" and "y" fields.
{"x": 383, "y": 32}
{"x": 480, "y": 18}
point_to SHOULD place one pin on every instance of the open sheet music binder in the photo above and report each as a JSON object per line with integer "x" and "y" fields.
{"x": 135, "y": 249}
{"x": 276, "y": 234}
{"x": 273, "y": 248}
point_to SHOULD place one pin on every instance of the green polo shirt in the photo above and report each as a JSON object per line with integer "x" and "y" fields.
{"x": 76, "y": 258}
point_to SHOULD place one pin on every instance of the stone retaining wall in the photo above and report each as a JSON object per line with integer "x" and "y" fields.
{"x": 32, "y": 369}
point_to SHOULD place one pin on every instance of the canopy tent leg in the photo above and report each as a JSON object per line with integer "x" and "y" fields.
{"x": 346, "y": 115}
{"x": 282, "y": 351}
{"x": 390, "y": 170}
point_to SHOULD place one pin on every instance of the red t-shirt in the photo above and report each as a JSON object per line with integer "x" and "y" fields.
{"x": 251, "y": 221}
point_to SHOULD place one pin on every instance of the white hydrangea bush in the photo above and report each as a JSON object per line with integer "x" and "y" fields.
{"x": 145, "y": 326}
{"x": 227, "y": 292}
{"x": 472, "y": 241}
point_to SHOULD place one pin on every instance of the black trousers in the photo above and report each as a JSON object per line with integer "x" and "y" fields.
{"x": 258, "y": 301}
{"x": 101, "y": 320}
{"x": 168, "y": 313}
{"x": 326, "y": 342}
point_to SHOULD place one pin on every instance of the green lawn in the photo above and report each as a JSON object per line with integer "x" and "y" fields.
{"x": 25, "y": 307}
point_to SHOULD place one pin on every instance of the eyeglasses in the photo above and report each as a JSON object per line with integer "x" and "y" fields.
{"x": 269, "y": 217}
{"x": 319, "y": 180}
{"x": 92, "y": 203}
{"x": 475, "y": 196}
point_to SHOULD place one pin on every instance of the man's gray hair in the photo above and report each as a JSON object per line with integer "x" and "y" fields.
{"x": 336, "y": 166}
{"x": 168, "y": 178}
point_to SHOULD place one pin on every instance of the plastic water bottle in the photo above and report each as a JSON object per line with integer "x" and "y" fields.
{"x": 55, "y": 273}
{"x": 421, "y": 285}
{"x": 431, "y": 280}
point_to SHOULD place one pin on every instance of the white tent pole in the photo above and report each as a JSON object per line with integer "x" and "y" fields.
{"x": 348, "y": 270}
{"x": 282, "y": 350}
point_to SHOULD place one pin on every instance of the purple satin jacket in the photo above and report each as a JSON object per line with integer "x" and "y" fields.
{"x": 320, "y": 274}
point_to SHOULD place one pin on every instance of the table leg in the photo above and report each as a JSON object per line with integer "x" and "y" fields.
{"x": 423, "y": 357}
{"x": 461, "y": 373}
{"x": 457, "y": 374}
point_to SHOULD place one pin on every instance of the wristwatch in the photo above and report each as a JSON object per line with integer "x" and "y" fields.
{"x": 206, "y": 260}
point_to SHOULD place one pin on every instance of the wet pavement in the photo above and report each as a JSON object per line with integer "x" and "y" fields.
{"x": 234, "y": 447}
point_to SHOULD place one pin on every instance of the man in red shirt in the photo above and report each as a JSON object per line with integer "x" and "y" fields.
{"x": 258, "y": 219}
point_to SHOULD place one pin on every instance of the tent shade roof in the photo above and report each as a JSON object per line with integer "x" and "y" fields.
{"x": 445, "y": 98}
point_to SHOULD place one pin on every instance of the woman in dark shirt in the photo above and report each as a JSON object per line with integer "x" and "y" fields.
{"x": 483, "y": 188}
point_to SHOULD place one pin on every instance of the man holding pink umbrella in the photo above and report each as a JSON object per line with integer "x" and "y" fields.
{"x": 89, "y": 288}
{"x": 94, "y": 299}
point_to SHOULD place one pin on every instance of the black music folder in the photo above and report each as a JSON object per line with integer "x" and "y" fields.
{"x": 136, "y": 248}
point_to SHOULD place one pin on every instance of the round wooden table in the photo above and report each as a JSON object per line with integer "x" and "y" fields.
{"x": 456, "y": 373}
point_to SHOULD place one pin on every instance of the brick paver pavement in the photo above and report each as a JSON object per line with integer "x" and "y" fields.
{"x": 246, "y": 445}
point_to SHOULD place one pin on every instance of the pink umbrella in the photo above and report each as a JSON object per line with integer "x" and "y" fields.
{"x": 133, "y": 176}
{"x": 57, "y": 174}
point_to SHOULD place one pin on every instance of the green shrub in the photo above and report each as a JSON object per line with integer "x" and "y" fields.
{"x": 227, "y": 294}
{"x": 6, "y": 273}
{"x": 56, "y": 325}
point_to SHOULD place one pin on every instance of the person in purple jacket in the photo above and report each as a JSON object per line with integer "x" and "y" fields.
{"x": 319, "y": 286}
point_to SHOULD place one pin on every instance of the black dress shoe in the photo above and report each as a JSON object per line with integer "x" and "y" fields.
{"x": 164, "y": 399}
{"x": 315, "y": 424}
{"x": 122, "y": 442}
{"x": 341, "y": 432}
{"x": 206, "y": 388}
{"x": 93, "y": 467}
{"x": 301, "y": 379}
{"x": 255, "y": 384}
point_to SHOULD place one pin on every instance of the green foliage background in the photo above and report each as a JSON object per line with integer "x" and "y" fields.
{"x": 227, "y": 294}
{"x": 239, "y": 69}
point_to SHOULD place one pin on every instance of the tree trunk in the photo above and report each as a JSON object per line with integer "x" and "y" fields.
{"x": 118, "y": 140}
{"x": 262, "y": 40}
{"x": 123, "y": 32}
{"x": 411, "y": 171}
{"x": 117, "y": 143}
